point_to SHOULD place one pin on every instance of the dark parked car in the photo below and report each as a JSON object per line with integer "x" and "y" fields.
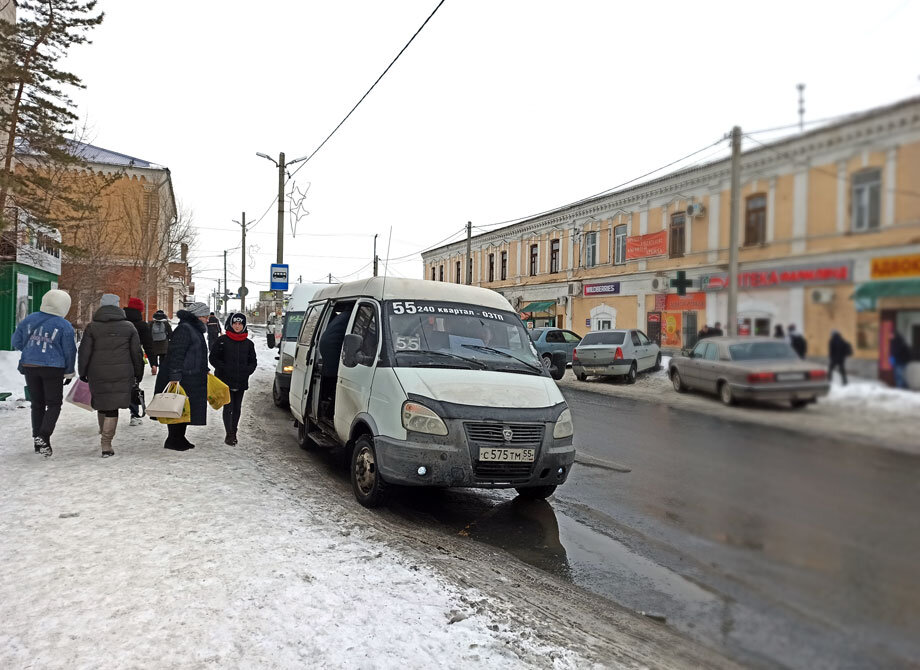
{"x": 549, "y": 340}
{"x": 753, "y": 368}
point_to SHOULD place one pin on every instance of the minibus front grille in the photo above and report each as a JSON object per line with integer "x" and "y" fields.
{"x": 493, "y": 434}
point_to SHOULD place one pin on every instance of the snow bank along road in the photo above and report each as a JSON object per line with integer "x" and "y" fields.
{"x": 258, "y": 556}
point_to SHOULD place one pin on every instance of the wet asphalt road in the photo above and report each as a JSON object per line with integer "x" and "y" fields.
{"x": 776, "y": 549}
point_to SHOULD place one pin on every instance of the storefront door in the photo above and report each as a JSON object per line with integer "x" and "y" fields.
{"x": 653, "y": 327}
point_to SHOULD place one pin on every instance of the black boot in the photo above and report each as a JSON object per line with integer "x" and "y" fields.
{"x": 176, "y": 440}
{"x": 230, "y": 439}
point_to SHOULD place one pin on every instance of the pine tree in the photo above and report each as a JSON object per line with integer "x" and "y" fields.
{"x": 36, "y": 113}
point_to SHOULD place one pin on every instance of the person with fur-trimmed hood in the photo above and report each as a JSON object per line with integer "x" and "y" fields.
{"x": 187, "y": 363}
{"x": 49, "y": 351}
{"x": 234, "y": 359}
{"x": 134, "y": 312}
{"x": 112, "y": 362}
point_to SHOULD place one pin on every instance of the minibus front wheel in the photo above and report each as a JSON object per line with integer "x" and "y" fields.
{"x": 366, "y": 482}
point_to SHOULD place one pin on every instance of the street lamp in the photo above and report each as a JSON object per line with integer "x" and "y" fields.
{"x": 282, "y": 170}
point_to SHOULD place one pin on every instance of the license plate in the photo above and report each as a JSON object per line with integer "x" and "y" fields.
{"x": 790, "y": 377}
{"x": 507, "y": 455}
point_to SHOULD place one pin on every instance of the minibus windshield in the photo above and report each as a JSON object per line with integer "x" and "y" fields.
{"x": 444, "y": 334}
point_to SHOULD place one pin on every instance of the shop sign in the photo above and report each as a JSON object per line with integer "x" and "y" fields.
{"x": 678, "y": 303}
{"x": 670, "y": 329}
{"x": 602, "y": 289}
{"x": 795, "y": 276}
{"x": 661, "y": 302}
{"x": 642, "y": 246}
{"x": 892, "y": 267}
{"x": 588, "y": 323}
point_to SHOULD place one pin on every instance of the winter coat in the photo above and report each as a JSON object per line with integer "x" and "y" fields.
{"x": 839, "y": 349}
{"x": 330, "y": 344}
{"x": 160, "y": 347}
{"x": 187, "y": 362}
{"x": 213, "y": 328}
{"x": 900, "y": 352}
{"x": 46, "y": 340}
{"x": 234, "y": 361}
{"x": 798, "y": 343}
{"x": 143, "y": 332}
{"x": 111, "y": 358}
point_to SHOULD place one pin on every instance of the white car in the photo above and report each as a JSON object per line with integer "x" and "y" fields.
{"x": 615, "y": 353}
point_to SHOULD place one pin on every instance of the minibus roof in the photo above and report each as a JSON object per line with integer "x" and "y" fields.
{"x": 389, "y": 288}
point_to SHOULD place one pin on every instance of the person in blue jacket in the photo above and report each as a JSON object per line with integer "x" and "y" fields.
{"x": 49, "y": 352}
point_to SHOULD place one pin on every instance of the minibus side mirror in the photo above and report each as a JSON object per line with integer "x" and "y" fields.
{"x": 558, "y": 364}
{"x": 350, "y": 349}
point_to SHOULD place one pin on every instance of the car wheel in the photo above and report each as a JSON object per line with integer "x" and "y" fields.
{"x": 799, "y": 404}
{"x": 677, "y": 382}
{"x": 657, "y": 363}
{"x": 725, "y": 393}
{"x": 536, "y": 492}
{"x": 547, "y": 362}
{"x": 581, "y": 376}
{"x": 277, "y": 397}
{"x": 631, "y": 375}
{"x": 369, "y": 488}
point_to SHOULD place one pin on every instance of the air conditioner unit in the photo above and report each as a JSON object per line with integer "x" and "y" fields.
{"x": 695, "y": 209}
{"x": 561, "y": 301}
{"x": 660, "y": 284}
{"x": 822, "y": 296}
{"x": 574, "y": 288}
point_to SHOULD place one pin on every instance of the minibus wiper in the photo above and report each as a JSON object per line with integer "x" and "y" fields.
{"x": 482, "y": 347}
{"x": 482, "y": 366}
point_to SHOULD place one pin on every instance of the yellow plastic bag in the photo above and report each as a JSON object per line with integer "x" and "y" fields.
{"x": 218, "y": 392}
{"x": 186, "y": 412}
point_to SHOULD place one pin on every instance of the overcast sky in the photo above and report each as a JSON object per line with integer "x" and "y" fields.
{"x": 499, "y": 109}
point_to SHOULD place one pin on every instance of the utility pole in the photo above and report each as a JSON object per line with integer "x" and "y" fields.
{"x": 280, "y": 208}
{"x": 243, "y": 269}
{"x": 330, "y": 277}
{"x": 223, "y": 296}
{"x": 220, "y": 299}
{"x": 469, "y": 253}
{"x": 801, "y": 88}
{"x": 735, "y": 205}
{"x": 375, "y": 254}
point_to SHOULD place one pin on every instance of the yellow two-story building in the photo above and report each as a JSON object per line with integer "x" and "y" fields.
{"x": 829, "y": 235}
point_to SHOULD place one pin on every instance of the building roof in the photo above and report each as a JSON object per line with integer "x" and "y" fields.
{"x": 389, "y": 288}
{"x": 93, "y": 154}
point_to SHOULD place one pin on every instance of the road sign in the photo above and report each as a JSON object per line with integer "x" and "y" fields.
{"x": 243, "y": 291}
{"x": 279, "y": 277}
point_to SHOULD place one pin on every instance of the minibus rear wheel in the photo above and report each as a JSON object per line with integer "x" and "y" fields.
{"x": 366, "y": 482}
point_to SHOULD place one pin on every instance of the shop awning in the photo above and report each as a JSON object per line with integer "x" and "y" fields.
{"x": 538, "y": 307}
{"x": 892, "y": 288}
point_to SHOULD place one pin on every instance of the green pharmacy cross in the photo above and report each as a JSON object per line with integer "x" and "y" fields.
{"x": 681, "y": 283}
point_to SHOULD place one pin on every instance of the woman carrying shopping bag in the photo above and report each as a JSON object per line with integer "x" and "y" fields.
{"x": 234, "y": 359}
{"x": 112, "y": 362}
{"x": 186, "y": 362}
{"x": 46, "y": 340}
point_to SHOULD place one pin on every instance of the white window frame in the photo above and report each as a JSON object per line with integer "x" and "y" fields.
{"x": 590, "y": 248}
{"x": 862, "y": 198}
{"x": 619, "y": 234}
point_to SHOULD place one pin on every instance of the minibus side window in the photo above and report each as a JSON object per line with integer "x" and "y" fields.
{"x": 309, "y": 324}
{"x": 365, "y": 325}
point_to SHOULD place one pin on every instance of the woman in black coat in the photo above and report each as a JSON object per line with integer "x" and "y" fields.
{"x": 186, "y": 362}
{"x": 234, "y": 359}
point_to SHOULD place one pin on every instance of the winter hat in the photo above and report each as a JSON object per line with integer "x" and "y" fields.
{"x": 198, "y": 309}
{"x": 236, "y": 317}
{"x": 55, "y": 302}
{"x": 136, "y": 303}
{"x": 159, "y": 315}
{"x": 109, "y": 299}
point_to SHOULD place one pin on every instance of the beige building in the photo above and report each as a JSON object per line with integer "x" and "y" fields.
{"x": 829, "y": 235}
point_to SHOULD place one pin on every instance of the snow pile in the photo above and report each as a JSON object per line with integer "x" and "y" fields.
{"x": 10, "y": 379}
{"x": 165, "y": 559}
{"x": 869, "y": 395}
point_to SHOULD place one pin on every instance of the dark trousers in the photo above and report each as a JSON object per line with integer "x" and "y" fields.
{"x": 46, "y": 388}
{"x": 840, "y": 366}
{"x": 232, "y": 411}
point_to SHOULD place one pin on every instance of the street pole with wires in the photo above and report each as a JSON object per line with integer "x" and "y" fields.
{"x": 223, "y": 296}
{"x": 469, "y": 253}
{"x": 735, "y": 205}
{"x": 375, "y": 255}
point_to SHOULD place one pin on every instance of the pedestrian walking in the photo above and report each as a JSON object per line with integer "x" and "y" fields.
{"x": 704, "y": 333}
{"x": 49, "y": 352}
{"x": 134, "y": 312}
{"x": 234, "y": 360}
{"x": 778, "y": 332}
{"x": 796, "y": 341}
{"x": 187, "y": 363}
{"x": 716, "y": 331}
{"x": 213, "y": 330}
{"x": 112, "y": 362}
{"x": 838, "y": 352}
{"x": 160, "y": 334}
{"x": 900, "y": 357}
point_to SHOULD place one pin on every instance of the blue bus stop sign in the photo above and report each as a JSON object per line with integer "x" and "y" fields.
{"x": 279, "y": 278}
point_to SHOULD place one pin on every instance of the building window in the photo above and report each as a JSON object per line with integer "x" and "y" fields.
{"x": 678, "y": 235}
{"x": 441, "y": 273}
{"x": 458, "y": 273}
{"x": 755, "y": 220}
{"x": 554, "y": 256}
{"x": 432, "y": 273}
{"x": 590, "y": 249}
{"x": 867, "y": 187}
{"x": 619, "y": 250}
{"x": 534, "y": 253}
{"x": 491, "y": 267}
{"x": 504, "y": 267}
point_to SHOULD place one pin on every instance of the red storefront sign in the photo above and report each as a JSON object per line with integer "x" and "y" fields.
{"x": 809, "y": 274}
{"x": 661, "y": 302}
{"x": 642, "y": 246}
{"x": 679, "y": 303}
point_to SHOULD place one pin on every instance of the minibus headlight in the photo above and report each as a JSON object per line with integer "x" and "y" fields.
{"x": 287, "y": 364}
{"x": 564, "y": 427}
{"x": 420, "y": 419}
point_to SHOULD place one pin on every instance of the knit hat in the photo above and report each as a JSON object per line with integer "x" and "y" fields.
{"x": 109, "y": 299}
{"x": 55, "y": 302}
{"x": 236, "y": 317}
{"x": 160, "y": 315}
{"x": 136, "y": 303}
{"x": 198, "y": 309}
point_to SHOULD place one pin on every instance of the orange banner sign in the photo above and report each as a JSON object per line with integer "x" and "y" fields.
{"x": 670, "y": 329}
{"x": 691, "y": 301}
{"x": 641, "y": 246}
{"x": 888, "y": 267}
